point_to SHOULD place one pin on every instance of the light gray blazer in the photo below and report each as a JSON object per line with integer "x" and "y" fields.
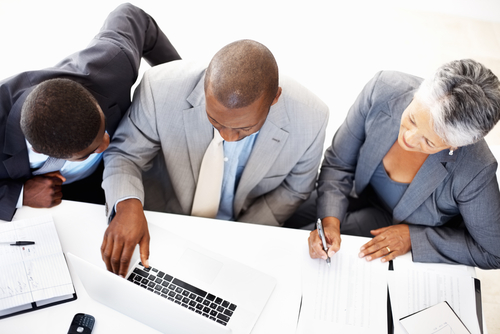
{"x": 446, "y": 186}
{"x": 166, "y": 132}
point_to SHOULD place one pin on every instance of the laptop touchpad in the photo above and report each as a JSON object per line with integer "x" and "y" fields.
{"x": 203, "y": 267}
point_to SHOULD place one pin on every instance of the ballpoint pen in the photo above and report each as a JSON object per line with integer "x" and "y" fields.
{"x": 319, "y": 226}
{"x": 18, "y": 243}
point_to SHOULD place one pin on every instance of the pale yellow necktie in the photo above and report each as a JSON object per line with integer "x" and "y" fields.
{"x": 207, "y": 196}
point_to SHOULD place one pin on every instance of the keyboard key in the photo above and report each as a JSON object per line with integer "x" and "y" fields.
{"x": 218, "y": 300}
{"x": 155, "y": 270}
{"x": 152, "y": 277}
{"x": 185, "y": 300}
{"x": 211, "y": 297}
{"x": 213, "y": 313}
{"x": 206, "y": 309}
{"x": 199, "y": 299}
{"x": 158, "y": 280}
{"x": 160, "y": 274}
{"x": 192, "y": 303}
{"x": 131, "y": 277}
{"x": 185, "y": 293}
{"x": 178, "y": 297}
{"x": 223, "y": 317}
{"x": 178, "y": 290}
{"x": 206, "y": 302}
{"x": 220, "y": 309}
{"x": 151, "y": 284}
{"x": 232, "y": 307}
{"x": 189, "y": 287}
{"x": 199, "y": 306}
{"x": 213, "y": 305}
{"x": 140, "y": 272}
{"x": 158, "y": 287}
{"x": 192, "y": 296}
{"x": 171, "y": 294}
{"x": 221, "y": 322}
{"x": 225, "y": 303}
{"x": 228, "y": 313}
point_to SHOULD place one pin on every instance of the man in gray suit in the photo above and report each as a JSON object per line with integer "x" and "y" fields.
{"x": 273, "y": 131}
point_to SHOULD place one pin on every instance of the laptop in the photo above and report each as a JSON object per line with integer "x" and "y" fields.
{"x": 186, "y": 289}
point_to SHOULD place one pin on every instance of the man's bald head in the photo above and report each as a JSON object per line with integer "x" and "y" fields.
{"x": 242, "y": 72}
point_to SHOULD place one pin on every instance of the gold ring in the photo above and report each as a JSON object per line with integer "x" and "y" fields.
{"x": 388, "y": 249}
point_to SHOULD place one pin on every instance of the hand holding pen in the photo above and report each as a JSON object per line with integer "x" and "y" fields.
{"x": 326, "y": 248}
{"x": 319, "y": 227}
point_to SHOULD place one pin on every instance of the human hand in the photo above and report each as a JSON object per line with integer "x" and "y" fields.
{"x": 43, "y": 191}
{"x": 331, "y": 227}
{"x": 388, "y": 243}
{"x": 128, "y": 228}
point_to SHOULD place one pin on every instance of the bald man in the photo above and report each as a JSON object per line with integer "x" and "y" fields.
{"x": 273, "y": 132}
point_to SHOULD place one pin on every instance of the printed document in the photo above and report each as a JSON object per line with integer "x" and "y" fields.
{"x": 350, "y": 296}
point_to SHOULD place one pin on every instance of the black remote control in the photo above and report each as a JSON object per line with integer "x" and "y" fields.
{"x": 81, "y": 324}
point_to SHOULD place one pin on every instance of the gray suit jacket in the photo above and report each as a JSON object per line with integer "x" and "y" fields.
{"x": 462, "y": 186}
{"x": 167, "y": 132}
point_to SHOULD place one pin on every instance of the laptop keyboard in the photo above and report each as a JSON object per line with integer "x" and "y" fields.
{"x": 182, "y": 293}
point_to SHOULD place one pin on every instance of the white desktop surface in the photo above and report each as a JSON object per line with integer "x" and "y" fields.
{"x": 81, "y": 226}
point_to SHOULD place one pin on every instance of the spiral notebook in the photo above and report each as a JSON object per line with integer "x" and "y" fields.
{"x": 32, "y": 276}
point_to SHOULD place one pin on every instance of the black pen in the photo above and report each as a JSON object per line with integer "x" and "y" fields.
{"x": 18, "y": 243}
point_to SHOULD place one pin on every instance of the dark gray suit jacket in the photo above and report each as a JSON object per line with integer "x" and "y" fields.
{"x": 108, "y": 68}
{"x": 462, "y": 186}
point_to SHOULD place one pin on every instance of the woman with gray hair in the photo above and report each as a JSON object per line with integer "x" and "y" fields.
{"x": 409, "y": 166}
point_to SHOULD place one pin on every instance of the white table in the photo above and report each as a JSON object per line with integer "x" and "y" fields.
{"x": 81, "y": 226}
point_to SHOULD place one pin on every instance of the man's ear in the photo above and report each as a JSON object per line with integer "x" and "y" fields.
{"x": 276, "y": 98}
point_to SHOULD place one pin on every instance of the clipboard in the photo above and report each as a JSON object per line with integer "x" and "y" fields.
{"x": 32, "y": 277}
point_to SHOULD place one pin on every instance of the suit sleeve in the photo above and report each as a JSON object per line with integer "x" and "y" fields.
{"x": 134, "y": 146}
{"x": 476, "y": 242}
{"x": 275, "y": 207}
{"x": 339, "y": 164}
{"x": 138, "y": 35}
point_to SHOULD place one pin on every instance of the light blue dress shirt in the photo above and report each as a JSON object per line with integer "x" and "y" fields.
{"x": 236, "y": 155}
{"x": 72, "y": 170}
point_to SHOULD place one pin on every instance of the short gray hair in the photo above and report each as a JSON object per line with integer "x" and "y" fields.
{"x": 464, "y": 101}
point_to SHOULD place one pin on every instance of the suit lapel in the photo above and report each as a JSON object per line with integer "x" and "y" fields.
{"x": 270, "y": 141}
{"x": 198, "y": 132}
{"x": 381, "y": 135}
{"x": 428, "y": 178}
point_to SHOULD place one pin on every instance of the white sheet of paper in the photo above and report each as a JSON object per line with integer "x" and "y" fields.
{"x": 437, "y": 319}
{"x": 350, "y": 296}
{"x": 35, "y": 272}
{"x": 417, "y": 286}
